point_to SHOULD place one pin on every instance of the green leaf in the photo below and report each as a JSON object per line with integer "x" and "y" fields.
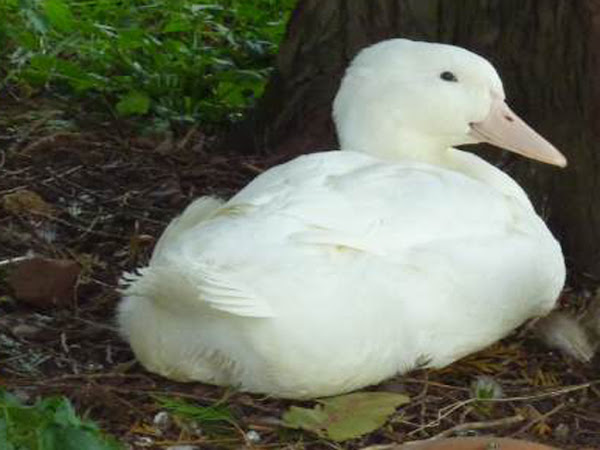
{"x": 131, "y": 39}
{"x": 347, "y": 416}
{"x": 75, "y": 439}
{"x": 134, "y": 102}
{"x": 64, "y": 413}
{"x": 198, "y": 60}
{"x": 36, "y": 21}
{"x": 59, "y": 15}
{"x": 177, "y": 25}
{"x": 49, "y": 424}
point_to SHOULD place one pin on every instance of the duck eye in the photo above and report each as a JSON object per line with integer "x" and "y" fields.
{"x": 448, "y": 76}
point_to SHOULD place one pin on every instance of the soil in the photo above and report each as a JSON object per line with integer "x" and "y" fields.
{"x": 107, "y": 191}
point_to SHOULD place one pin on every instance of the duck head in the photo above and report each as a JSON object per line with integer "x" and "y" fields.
{"x": 403, "y": 99}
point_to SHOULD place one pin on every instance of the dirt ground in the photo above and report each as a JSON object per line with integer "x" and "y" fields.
{"x": 104, "y": 193}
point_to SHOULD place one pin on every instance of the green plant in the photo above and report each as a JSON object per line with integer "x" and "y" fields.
{"x": 485, "y": 389}
{"x": 174, "y": 59}
{"x": 49, "y": 424}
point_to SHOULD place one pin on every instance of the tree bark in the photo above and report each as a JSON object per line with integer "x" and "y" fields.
{"x": 546, "y": 52}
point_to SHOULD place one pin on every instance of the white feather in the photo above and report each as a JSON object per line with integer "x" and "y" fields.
{"x": 340, "y": 269}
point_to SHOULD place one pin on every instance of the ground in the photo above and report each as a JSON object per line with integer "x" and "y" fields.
{"x": 106, "y": 190}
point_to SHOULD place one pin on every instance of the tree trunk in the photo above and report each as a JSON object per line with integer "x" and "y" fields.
{"x": 546, "y": 52}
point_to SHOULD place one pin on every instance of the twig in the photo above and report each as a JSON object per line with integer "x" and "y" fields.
{"x": 14, "y": 189}
{"x": 30, "y": 130}
{"x": 50, "y": 384}
{"x": 434, "y": 383}
{"x": 423, "y": 395}
{"x": 448, "y": 410}
{"x": 182, "y": 144}
{"x": 252, "y": 168}
{"x": 17, "y": 259}
{"x": 86, "y": 229}
{"x": 54, "y": 176}
{"x": 47, "y": 140}
{"x": 504, "y": 422}
{"x": 98, "y": 325}
{"x": 540, "y": 418}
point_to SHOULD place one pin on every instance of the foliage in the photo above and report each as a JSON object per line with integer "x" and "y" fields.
{"x": 347, "y": 416}
{"x": 176, "y": 59}
{"x": 49, "y": 424}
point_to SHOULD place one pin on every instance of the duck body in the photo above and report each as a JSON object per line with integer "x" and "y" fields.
{"x": 340, "y": 269}
{"x": 336, "y": 271}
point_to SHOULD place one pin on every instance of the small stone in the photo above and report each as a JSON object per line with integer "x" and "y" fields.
{"x": 561, "y": 431}
{"x": 467, "y": 433}
{"x": 253, "y": 437}
{"x": 162, "y": 421}
{"x": 144, "y": 441}
{"x": 194, "y": 428}
{"x": 93, "y": 367}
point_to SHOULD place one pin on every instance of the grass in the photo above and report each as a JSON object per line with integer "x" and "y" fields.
{"x": 175, "y": 60}
{"x": 201, "y": 414}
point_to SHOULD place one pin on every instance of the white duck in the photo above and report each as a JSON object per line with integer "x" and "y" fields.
{"x": 340, "y": 269}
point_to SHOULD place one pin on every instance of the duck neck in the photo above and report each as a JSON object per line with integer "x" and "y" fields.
{"x": 404, "y": 146}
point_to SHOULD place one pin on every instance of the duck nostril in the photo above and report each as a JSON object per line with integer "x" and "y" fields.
{"x": 509, "y": 118}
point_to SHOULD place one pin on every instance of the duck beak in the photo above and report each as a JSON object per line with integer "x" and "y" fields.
{"x": 503, "y": 128}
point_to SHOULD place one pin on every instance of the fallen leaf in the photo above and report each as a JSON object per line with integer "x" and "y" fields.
{"x": 45, "y": 282}
{"x": 26, "y": 202}
{"x": 347, "y": 416}
{"x": 314, "y": 420}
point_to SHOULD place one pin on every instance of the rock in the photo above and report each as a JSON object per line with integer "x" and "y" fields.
{"x": 45, "y": 282}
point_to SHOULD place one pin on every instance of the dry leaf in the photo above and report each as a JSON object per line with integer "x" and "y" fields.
{"x": 26, "y": 202}
{"x": 45, "y": 282}
{"x": 347, "y": 416}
